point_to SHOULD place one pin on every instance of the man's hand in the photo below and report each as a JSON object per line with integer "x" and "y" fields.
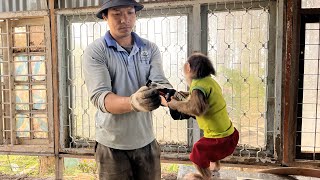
{"x": 145, "y": 99}
{"x": 164, "y": 101}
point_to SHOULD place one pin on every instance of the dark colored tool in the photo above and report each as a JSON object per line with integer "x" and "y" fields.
{"x": 167, "y": 93}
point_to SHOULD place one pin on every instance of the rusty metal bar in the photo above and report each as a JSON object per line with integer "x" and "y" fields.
{"x": 287, "y": 79}
{"x": 291, "y": 66}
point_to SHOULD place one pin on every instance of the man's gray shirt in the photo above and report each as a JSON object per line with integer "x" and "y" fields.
{"x": 109, "y": 68}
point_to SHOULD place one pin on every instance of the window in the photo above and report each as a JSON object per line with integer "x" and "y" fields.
{"x": 238, "y": 43}
{"x": 308, "y": 123}
{"x": 25, "y": 110}
{"x": 238, "y": 38}
{"x": 168, "y": 32}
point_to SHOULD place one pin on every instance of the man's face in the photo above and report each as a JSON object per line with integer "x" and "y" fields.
{"x": 121, "y": 20}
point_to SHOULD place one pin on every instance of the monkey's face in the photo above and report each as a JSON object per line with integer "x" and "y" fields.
{"x": 187, "y": 73}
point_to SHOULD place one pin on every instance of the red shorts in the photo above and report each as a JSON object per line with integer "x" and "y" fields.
{"x": 208, "y": 150}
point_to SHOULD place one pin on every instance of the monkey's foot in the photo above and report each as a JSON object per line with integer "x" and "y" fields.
{"x": 193, "y": 176}
{"x": 215, "y": 166}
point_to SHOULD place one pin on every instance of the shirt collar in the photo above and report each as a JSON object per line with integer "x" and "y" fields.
{"x": 137, "y": 40}
{"x": 113, "y": 43}
{"x": 109, "y": 40}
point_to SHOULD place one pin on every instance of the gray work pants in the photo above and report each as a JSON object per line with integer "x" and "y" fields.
{"x": 138, "y": 164}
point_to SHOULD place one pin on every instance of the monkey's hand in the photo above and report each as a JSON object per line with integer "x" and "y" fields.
{"x": 176, "y": 115}
{"x": 185, "y": 93}
{"x": 173, "y": 104}
{"x": 145, "y": 99}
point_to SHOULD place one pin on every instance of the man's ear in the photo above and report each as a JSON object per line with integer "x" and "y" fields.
{"x": 104, "y": 17}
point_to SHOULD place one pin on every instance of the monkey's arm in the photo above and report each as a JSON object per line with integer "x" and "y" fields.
{"x": 195, "y": 105}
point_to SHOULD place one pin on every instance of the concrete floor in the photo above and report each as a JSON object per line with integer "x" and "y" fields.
{"x": 234, "y": 173}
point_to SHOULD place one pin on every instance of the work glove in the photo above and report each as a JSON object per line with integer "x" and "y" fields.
{"x": 145, "y": 99}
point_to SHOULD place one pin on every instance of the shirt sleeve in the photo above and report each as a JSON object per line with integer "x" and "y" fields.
{"x": 156, "y": 67}
{"x": 200, "y": 89}
{"x": 96, "y": 75}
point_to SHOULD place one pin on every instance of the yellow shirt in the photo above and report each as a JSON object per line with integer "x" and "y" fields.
{"x": 215, "y": 122}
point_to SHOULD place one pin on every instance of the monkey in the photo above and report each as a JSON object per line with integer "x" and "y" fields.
{"x": 207, "y": 104}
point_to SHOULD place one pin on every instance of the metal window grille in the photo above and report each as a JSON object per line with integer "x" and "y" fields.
{"x": 238, "y": 44}
{"x": 308, "y": 123}
{"x": 168, "y": 29}
{"x": 77, "y": 113}
{"x": 238, "y": 37}
{"x": 81, "y": 30}
{"x": 25, "y": 110}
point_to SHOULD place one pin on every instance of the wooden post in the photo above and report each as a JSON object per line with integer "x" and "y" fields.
{"x": 55, "y": 82}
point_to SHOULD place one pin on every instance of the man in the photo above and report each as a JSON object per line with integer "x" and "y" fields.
{"x": 116, "y": 68}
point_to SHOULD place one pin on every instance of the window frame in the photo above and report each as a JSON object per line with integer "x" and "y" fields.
{"x": 28, "y": 144}
{"x": 305, "y": 18}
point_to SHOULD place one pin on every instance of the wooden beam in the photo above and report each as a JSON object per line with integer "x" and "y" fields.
{"x": 55, "y": 91}
{"x": 23, "y": 14}
{"x": 298, "y": 171}
{"x": 26, "y": 149}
